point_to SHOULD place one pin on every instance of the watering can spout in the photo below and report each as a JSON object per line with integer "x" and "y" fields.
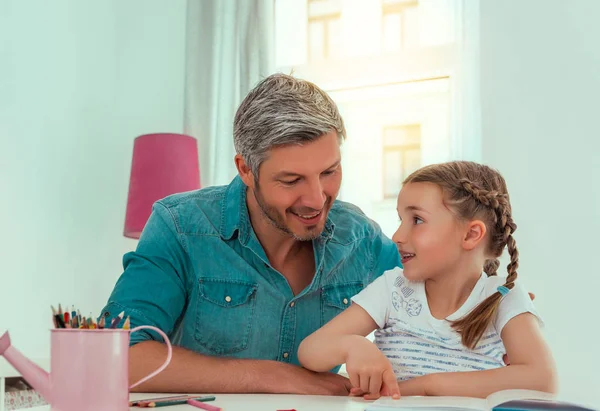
{"x": 33, "y": 374}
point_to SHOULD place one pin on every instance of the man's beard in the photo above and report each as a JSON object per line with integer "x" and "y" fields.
{"x": 277, "y": 221}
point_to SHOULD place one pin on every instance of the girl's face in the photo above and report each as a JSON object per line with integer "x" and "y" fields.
{"x": 430, "y": 236}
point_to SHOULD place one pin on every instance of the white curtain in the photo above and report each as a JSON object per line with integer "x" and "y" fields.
{"x": 229, "y": 47}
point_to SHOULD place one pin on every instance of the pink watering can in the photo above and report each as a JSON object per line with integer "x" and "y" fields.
{"x": 89, "y": 368}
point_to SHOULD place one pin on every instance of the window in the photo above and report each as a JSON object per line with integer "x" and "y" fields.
{"x": 402, "y": 73}
{"x": 400, "y": 18}
{"x": 401, "y": 156}
{"x": 324, "y": 32}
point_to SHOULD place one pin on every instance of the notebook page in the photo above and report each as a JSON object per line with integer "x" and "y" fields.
{"x": 429, "y": 403}
{"x": 509, "y": 395}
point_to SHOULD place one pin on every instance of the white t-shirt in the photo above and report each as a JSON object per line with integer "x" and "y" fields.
{"x": 416, "y": 343}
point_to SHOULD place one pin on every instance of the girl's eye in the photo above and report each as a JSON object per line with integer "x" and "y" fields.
{"x": 417, "y": 220}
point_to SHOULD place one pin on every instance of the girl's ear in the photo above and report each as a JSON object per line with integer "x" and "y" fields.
{"x": 474, "y": 234}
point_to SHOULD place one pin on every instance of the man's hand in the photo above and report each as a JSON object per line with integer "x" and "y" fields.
{"x": 370, "y": 371}
{"x": 308, "y": 382}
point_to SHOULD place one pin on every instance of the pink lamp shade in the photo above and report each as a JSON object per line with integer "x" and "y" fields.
{"x": 163, "y": 164}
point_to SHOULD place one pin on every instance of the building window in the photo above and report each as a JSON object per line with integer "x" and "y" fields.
{"x": 324, "y": 29}
{"x": 401, "y": 156}
{"x": 400, "y": 25}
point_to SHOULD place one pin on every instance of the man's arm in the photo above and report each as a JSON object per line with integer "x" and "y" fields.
{"x": 190, "y": 372}
{"x": 153, "y": 290}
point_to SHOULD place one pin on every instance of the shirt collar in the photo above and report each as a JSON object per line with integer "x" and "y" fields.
{"x": 234, "y": 213}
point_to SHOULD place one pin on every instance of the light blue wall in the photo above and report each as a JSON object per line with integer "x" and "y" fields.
{"x": 79, "y": 80}
{"x": 540, "y": 74}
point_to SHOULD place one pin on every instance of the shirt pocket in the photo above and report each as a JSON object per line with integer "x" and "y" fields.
{"x": 225, "y": 314}
{"x": 335, "y": 298}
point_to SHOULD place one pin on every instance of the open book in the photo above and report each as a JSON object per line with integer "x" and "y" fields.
{"x": 507, "y": 400}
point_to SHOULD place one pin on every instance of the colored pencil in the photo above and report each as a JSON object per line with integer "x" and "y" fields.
{"x": 149, "y": 400}
{"x": 117, "y": 320}
{"x": 60, "y": 323}
{"x": 201, "y": 405}
{"x": 127, "y": 324}
{"x": 156, "y": 404}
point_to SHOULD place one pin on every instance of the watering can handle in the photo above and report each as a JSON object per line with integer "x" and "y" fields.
{"x": 169, "y": 353}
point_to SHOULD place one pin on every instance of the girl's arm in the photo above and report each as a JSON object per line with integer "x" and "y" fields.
{"x": 342, "y": 340}
{"x": 531, "y": 367}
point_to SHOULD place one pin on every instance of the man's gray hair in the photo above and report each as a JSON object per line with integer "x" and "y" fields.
{"x": 279, "y": 111}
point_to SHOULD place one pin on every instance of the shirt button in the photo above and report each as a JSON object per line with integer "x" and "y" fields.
{"x": 292, "y": 304}
{"x": 228, "y": 299}
{"x": 345, "y": 301}
{"x": 285, "y": 355}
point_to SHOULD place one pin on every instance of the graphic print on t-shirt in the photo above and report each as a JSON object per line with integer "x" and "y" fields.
{"x": 413, "y": 306}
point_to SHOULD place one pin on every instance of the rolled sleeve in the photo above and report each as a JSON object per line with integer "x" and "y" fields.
{"x": 152, "y": 287}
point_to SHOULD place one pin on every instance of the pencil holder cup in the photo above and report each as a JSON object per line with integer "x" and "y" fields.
{"x": 89, "y": 368}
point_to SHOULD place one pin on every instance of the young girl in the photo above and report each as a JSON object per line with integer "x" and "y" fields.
{"x": 445, "y": 320}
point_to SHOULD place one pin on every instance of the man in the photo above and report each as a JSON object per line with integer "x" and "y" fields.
{"x": 239, "y": 275}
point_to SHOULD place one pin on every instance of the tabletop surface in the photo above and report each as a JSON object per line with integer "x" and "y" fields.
{"x": 263, "y": 402}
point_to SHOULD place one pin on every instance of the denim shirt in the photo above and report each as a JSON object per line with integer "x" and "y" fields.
{"x": 200, "y": 274}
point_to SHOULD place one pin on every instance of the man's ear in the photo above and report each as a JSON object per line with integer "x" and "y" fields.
{"x": 474, "y": 234}
{"x": 244, "y": 171}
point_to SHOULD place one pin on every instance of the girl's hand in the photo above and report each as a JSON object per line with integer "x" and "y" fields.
{"x": 369, "y": 370}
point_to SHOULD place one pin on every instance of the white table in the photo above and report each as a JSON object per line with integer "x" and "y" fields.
{"x": 262, "y": 402}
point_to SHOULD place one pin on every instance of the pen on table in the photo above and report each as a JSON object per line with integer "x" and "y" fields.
{"x": 149, "y": 400}
{"x": 145, "y": 401}
{"x": 117, "y": 320}
{"x": 203, "y": 406}
{"x": 156, "y": 404}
